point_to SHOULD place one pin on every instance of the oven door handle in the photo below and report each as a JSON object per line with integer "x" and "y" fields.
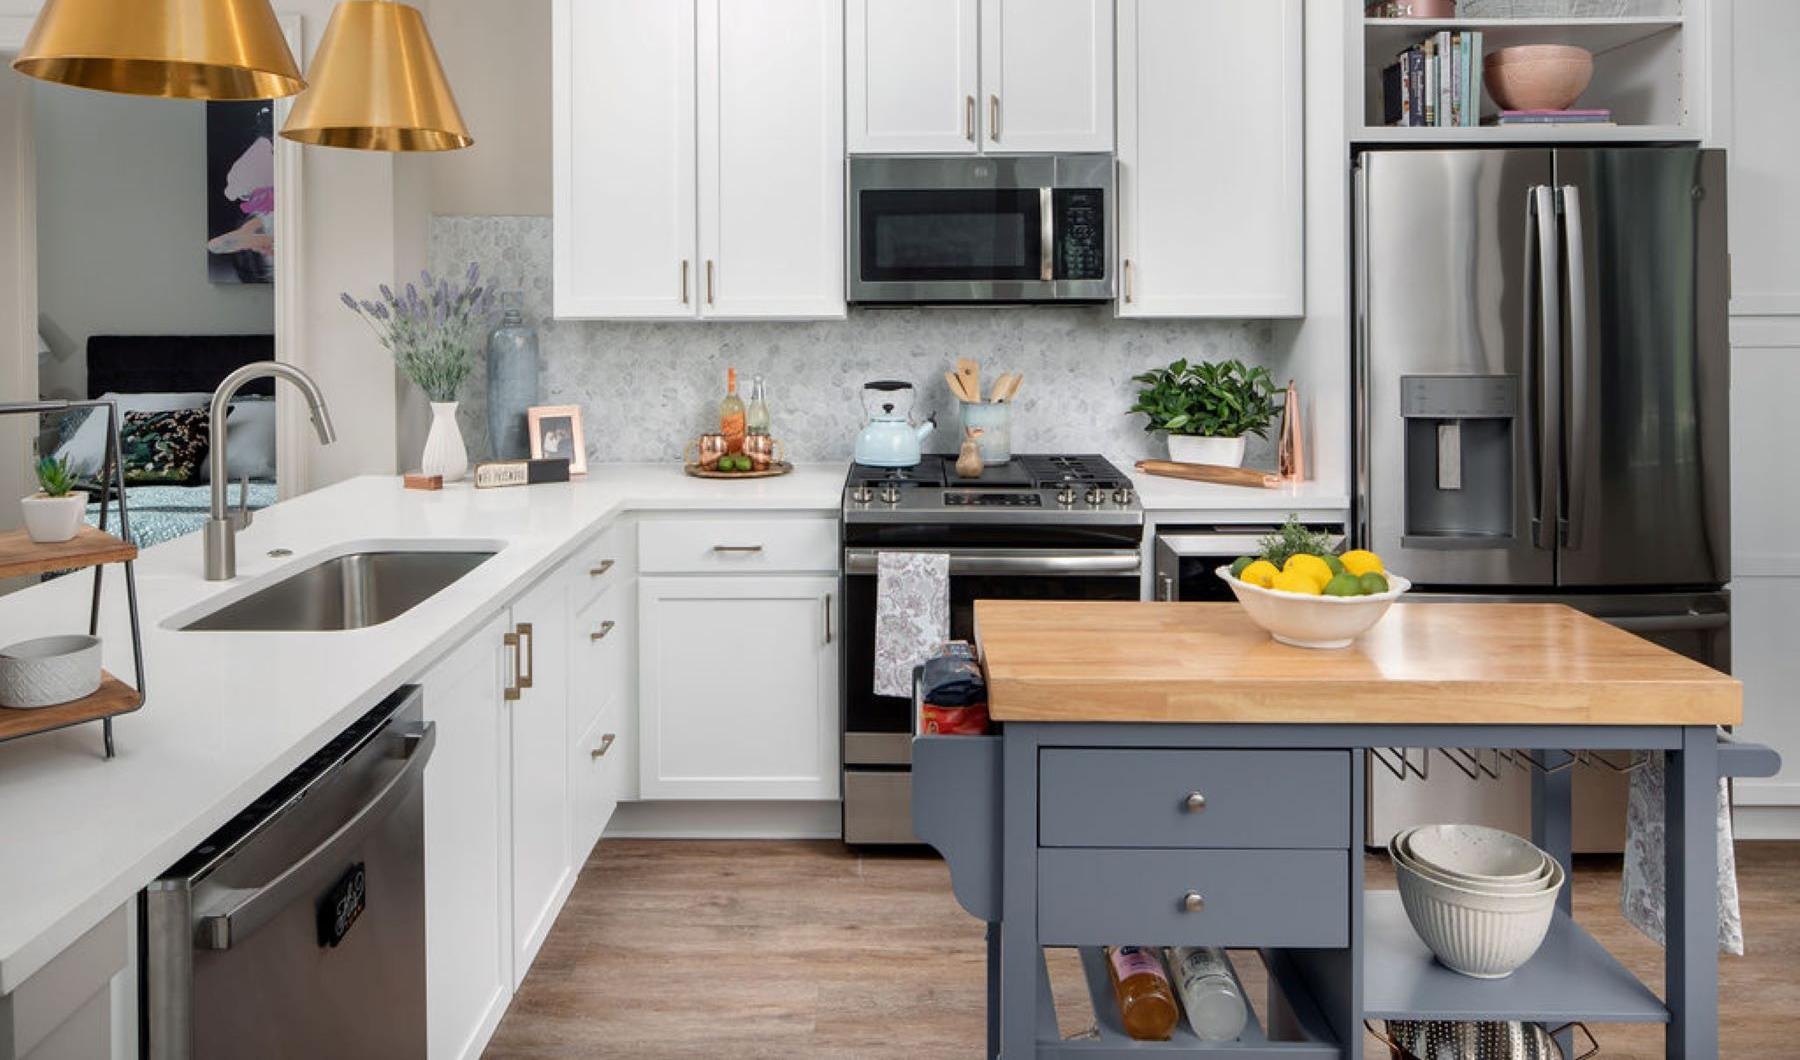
{"x": 1005, "y": 562}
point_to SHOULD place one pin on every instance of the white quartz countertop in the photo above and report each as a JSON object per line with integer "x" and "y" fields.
{"x": 1162, "y": 497}
{"x": 228, "y": 714}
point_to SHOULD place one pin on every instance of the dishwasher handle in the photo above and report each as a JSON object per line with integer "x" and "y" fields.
{"x": 251, "y": 909}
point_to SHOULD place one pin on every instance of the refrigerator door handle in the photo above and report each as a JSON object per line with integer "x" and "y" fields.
{"x": 1545, "y": 391}
{"x": 1575, "y": 474}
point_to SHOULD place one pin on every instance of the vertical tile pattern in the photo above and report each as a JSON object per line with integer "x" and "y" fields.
{"x": 646, "y": 388}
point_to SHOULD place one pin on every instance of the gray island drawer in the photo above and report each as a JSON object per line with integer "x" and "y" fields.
{"x": 1096, "y": 797}
{"x": 1279, "y": 898}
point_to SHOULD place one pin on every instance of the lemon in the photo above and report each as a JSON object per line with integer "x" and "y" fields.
{"x": 1345, "y": 584}
{"x": 1296, "y": 581}
{"x": 1310, "y": 565}
{"x": 1362, "y": 561}
{"x": 1260, "y": 573}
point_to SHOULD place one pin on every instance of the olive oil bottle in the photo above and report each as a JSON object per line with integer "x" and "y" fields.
{"x": 1141, "y": 988}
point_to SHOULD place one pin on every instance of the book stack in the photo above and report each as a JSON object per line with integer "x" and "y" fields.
{"x": 1599, "y": 116}
{"x": 1435, "y": 83}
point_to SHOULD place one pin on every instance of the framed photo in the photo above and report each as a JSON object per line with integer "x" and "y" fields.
{"x": 556, "y": 435}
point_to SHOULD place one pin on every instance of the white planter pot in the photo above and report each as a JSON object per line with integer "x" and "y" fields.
{"x": 1193, "y": 449}
{"x": 445, "y": 453}
{"x": 52, "y": 519}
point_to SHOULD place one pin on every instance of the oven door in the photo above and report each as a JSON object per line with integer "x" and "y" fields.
{"x": 878, "y": 729}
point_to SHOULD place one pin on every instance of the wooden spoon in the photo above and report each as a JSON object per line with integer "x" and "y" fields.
{"x": 970, "y": 371}
{"x": 956, "y": 385}
{"x": 1012, "y": 386}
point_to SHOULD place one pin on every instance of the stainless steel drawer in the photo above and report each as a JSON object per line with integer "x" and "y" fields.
{"x": 1092, "y": 797}
{"x": 878, "y": 807}
{"x": 1276, "y": 898}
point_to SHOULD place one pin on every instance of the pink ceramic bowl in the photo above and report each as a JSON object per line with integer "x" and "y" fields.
{"x": 1537, "y": 76}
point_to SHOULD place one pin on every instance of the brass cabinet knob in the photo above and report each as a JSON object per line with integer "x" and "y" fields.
{"x": 1195, "y": 802}
{"x": 1191, "y": 902}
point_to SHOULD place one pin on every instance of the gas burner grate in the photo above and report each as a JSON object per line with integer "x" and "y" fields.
{"x": 1051, "y": 471}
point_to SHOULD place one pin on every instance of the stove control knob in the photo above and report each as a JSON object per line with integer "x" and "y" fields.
{"x": 890, "y": 494}
{"x": 862, "y": 494}
{"x": 1066, "y": 495}
{"x": 1122, "y": 495}
{"x": 1096, "y": 496}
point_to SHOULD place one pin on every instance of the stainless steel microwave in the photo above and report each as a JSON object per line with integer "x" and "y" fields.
{"x": 1027, "y": 228}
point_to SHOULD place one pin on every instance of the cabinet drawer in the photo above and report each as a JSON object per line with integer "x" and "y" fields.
{"x": 761, "y": 546}
{"x": 600, "y": 647}
{"x": 596, "y": 766}
{"x": 1246, "y": 897}
{"x": 1134, "y": 798}
{"x": 600, "y": 564}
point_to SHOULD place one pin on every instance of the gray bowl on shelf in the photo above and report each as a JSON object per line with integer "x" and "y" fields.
{"x": 48, "y": 671}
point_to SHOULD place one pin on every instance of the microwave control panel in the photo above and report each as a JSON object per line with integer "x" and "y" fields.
{"x": 1080, "y": 233}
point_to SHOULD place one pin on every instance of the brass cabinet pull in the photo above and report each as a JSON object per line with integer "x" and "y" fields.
{"x": 605, "y": 628}
{"x": 709, "y": 281}
{"x": 530, "y": 643}
{"x": 994, "y": 118}
{"x": 606, "y": 743}
{"x": 684, "y": 278}
{"x": 604, "y": 566}
{"x": 1192, "y": 902}
{"x": 511, "y": 691}
{"x": 1127, "y": 281}
{"x": 1194, "y": 803}
{"x": 969, "y": 118}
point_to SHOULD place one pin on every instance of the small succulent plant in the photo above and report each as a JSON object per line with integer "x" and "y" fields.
{"x": 54, "y": 477}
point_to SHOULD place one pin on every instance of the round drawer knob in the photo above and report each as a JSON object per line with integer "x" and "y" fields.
{"x": 1195, "y": 802}
{"x": 1192, "y": 902}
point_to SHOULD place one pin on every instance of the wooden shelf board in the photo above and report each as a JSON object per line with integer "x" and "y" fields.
{"x": 1572, "y": 977}
{"x": 1386, "y": 37}
{"x": 88, "y": 548}
{"x": 1522, "y": 134}
{"x": 114, "y": 697}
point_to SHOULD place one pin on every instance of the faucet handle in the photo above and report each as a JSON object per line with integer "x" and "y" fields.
{"x": 241, "y": 517}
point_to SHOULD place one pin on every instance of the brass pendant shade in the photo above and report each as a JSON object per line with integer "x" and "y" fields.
{"x": 182, "y": 49}
{"x": 377, "y": 85}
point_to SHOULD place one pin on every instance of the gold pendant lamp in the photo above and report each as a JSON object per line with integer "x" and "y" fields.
{"x": 181, "y": 49}
{"x": 377, "y": 85}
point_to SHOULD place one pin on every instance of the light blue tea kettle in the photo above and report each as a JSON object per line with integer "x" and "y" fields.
{"x": 889, "y": 438}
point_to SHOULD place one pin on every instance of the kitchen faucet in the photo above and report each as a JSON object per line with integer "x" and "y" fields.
{"x": 222, "y": 524}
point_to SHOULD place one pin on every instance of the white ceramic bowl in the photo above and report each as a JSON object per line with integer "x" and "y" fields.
{"x": 1486, "y": 936}
{"x": 1314, "y": 621}
{"x": 1475, "y": 853}
{"x": 1549, "y": 877}
{"x": 49, "y": 670}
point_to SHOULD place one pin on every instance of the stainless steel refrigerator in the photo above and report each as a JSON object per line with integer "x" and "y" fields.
{"x": 1542, "y": 396}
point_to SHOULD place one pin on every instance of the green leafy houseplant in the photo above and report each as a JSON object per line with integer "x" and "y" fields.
{"x": 54, "y": 477}
{"x": 1210, "y": 399}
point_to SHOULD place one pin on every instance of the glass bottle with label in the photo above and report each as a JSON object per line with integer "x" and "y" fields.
{"x": 731, "y": 414}
{"x": 756, "y": 421}
{"x": 1209, "y": 992}
{"x": 1141, "y": 988}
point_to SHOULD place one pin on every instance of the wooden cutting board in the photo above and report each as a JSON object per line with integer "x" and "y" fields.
{"x": 1224, "y": 476}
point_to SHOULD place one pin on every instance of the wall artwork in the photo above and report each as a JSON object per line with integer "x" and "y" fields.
{"x": 240, "y": 191}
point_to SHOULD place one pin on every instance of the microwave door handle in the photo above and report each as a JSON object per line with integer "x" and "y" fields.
{"x": 1046, "y": 235}
{"x": 1545, "y": 362}
{"x": 252, "y": 909}
{"x": 1575, "y": 458}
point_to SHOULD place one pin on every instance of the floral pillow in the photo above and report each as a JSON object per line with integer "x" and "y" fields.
{"x": 164, "y": 446}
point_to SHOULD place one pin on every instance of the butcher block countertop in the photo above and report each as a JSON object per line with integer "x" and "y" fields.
{"x": 1422, "y": 664}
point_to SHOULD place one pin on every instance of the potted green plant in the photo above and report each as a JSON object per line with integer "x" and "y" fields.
{"x": 53, "y": 513}
{"x": 1207, "y": 409}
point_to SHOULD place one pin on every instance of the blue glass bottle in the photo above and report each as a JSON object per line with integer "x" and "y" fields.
{"x": 512, "y": 366}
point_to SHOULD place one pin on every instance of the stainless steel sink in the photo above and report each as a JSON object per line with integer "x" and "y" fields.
{"x": 352, "y": 591}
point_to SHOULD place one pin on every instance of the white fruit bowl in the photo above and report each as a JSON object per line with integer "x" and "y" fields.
{"x": 1314, "y": 621}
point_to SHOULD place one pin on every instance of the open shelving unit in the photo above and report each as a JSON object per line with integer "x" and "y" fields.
{"x": 1648, "y": 67}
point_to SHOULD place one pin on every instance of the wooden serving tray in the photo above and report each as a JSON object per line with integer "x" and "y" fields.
{"x": 113, "y": 698}
{"x": 780, "y": 467}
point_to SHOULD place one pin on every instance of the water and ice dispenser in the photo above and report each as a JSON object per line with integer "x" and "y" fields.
{"x": 1459, "y": 445}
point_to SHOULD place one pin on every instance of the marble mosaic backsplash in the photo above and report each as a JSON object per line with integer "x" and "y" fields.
{"x": 646, "y": 388}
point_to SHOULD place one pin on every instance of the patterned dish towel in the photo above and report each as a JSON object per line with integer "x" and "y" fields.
{"x": 912, "y": 616}
{"x": 1641, "y": 891}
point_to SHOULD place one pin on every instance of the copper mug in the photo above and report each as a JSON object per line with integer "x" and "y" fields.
{"x": 710, "y": 448}
{"x": 762, "y": 450}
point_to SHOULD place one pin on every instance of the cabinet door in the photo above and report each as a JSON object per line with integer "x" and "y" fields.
{"x": 468, "y": 958}
{"x": 1210, "y": 158}
{"x": 623, "y": 112}
{"x": 1047, "y": 75}
{"x": 911, "y": 81}
{"x": 771, "y": 158}
{"x": 738, "y": 688}
{"x": 541, "y": 873}
{"x": 596, "y": 770}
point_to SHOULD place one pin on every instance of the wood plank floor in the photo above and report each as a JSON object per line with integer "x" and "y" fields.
{"x": 808, "y": 950}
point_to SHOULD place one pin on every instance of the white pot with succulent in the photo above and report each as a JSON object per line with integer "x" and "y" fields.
{"x": 53, "y": 513}
{"x": 1207, "y": 410}
{"x": 431, "y": 330}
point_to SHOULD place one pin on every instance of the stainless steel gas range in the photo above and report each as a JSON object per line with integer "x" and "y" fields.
{"x": 1036, "y": 528}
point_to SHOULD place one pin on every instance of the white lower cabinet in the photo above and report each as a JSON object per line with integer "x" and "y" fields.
{"x": 538, "y": 702}
{"x": 468, "y": 954}
{"x": 597, "y": 778}
{"x": 738, "y": 688}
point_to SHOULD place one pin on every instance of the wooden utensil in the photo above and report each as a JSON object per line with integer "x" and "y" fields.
{"x": 1013, "y": 379}
{"x": 1224, "y": 476}
{"x": 956, "y": 385}
{"x": 970, "y": 372}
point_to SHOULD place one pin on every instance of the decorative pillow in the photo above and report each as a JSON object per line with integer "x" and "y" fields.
{"x": 249, "y": 441}
{"x": 85, "y": 449}
{"x": 163, "y": 446}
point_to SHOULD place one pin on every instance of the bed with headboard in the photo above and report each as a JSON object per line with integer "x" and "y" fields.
{"x": 163, "y": 384}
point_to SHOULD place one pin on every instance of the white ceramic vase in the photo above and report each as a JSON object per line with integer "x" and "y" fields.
{"x": 52, "y": 519}
{"x": 1194, "y": 449}
{"x": 445, "y": 453}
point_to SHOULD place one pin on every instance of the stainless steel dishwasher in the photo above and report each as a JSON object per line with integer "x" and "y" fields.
{"x": 298, "y": 928}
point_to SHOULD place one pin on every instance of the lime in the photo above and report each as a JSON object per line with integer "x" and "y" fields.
{"x": 1336, "y": 564}
{"x": 1373, "y": 582}
{"x": 1344, "y": 585}
{"x": 1238, "y": 565}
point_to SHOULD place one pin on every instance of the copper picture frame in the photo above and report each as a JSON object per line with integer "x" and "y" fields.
{"x": 556, "y": 434}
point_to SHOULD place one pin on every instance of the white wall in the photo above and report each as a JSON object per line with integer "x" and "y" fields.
{"x": 18, "y": 296}
{"x": 497, "y": 56}
{"x": 122, "y": 216}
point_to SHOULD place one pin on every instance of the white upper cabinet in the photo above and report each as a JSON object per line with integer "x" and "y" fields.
{"x": 771, "y": 158}
{"x": 1211, "y": 168}
{"x": 624, "y": 170}
{"x": 1047, "y": 75}
{"x": 699, "y": 158}
{"x": 912, "y": 83}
